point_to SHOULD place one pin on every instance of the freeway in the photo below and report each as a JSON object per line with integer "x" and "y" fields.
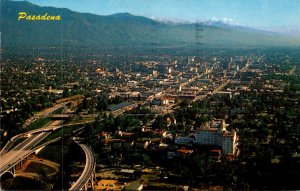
{"x": 10, "y": 155}
{"x": 53, "y": 125}
{"x": 44, "y": 113}
{"x": 22, "y": 150}
{"x": 10, "y": 143}
{"x": 88, "y": 171}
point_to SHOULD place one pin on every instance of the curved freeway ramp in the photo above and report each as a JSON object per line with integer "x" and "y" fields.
{"x": 87, "y": 175}
{"x": 10, "y": 143}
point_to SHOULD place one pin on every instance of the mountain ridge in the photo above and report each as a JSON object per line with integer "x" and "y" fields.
{"x": 121, "y": 29}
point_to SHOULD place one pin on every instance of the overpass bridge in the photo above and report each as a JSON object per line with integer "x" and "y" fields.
{"x": 15, "y": 156}
{"x": 87, "y": 178}
{"x": 10, "y": 143}
{"x": 44, "y": 113}
{"x": 51, "y": 126}
{"x": 11, "y": 156}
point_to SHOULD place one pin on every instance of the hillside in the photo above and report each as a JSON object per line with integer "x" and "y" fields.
{"x": 120, "y": 30}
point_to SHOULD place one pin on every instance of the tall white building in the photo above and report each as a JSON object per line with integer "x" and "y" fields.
{"x": 229, "y": 142}
{"x": 209, "y": 134}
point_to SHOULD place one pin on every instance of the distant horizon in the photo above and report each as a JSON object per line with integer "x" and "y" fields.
{"x": 273, "y": 16}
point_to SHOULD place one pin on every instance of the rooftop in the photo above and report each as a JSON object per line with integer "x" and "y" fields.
{"x": 119, "y": 106}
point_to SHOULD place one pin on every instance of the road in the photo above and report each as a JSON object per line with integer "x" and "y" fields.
{"x": 217, "y": 89}
{"x": 79, "y": 123}
{"x": 44, "y": 113}
{"x": 88, "y": 169}
{"x": 52, "y": 125}
{"x": 21, "y": 151}
{"x": 10, "y": 143}
{"x": 48, "y": 127}
{"x": 11, "y": 156}
{"x": 50, "y": 164}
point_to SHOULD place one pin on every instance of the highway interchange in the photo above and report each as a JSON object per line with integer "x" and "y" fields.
{"x": 13, "y": 153}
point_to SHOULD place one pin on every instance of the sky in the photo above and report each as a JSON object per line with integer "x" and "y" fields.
{"x": 270, "y": 15}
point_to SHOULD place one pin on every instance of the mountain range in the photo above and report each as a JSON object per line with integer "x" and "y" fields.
{"x": 123, "y": 30}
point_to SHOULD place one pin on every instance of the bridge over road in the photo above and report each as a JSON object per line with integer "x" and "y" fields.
{"x": 15, "y": 156}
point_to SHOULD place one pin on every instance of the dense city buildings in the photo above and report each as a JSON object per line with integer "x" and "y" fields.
{"x": 124, "y": 102}
{"x": 208, "y": 112}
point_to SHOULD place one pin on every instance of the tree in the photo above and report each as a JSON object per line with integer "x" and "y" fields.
{"x": 102, "y": 103}
{"x": 85, "y": 103}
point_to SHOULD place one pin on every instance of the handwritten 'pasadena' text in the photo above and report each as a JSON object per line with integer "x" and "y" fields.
{"x": 45, "y": 17}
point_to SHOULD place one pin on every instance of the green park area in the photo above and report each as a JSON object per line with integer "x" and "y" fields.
{"x": 39, "y": 123}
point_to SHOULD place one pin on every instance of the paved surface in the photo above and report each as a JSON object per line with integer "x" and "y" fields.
{"x": 28, "y": 174}
{"x": 44, "y": 113}
{"x": 88, "y": 169}
{"x": 21, "y": 151}
{"x": 10, "y": 143}
{"x": 52, "y": 125}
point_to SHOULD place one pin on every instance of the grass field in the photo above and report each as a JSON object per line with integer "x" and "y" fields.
{"x": 58, "y": 111}
{"x": 82, "y": 119}
{"x": 54, "y": 153}
{"x": 39, "y": 123}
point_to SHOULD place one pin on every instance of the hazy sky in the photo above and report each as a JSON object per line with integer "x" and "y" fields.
{"x": 275, "y": 15}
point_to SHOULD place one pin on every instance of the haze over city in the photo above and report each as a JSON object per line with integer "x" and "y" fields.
{"x": 277, "y": 16}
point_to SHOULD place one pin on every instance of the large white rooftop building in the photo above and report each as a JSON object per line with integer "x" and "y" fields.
{"x": 215, "y": 133}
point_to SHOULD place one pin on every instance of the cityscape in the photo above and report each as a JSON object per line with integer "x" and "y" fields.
{"x": 145, "y": 104}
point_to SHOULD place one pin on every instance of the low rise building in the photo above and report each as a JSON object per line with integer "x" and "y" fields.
{"x": 122, "y": 107}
